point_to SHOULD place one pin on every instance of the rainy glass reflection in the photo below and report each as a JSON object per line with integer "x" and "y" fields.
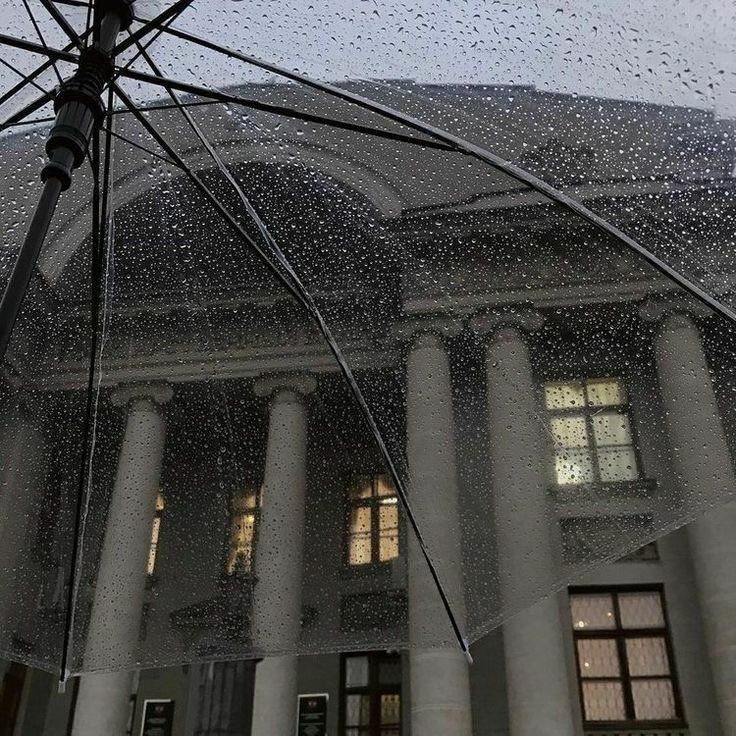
{"x": 541, "y": 393}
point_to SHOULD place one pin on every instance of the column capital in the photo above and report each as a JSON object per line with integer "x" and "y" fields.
{"x": 656, "y": 309}
{"x": 523, "y": 319}
{"x": 271, "y": 383}
{"x": 158, "y": 393}
{"x": 419, "y": 329}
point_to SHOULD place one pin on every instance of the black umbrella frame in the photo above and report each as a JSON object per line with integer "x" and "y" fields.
{"x": 84, "y": 129}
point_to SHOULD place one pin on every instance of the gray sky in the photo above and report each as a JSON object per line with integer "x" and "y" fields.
{"x": 665, "y": 51}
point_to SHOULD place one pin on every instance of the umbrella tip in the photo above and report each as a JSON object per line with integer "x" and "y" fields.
{"x": 466, "y": 652}
{"x": 63, "y": 677}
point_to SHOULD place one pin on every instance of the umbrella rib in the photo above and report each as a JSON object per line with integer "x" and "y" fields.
{"x": 13, "y": 68}
{"x": 34, "y": 23}
{"x": 481, "y": 153}
{"x": 100, "y": 221}
{"x": 47, "y": 96}
{"x": 62, "y": 22}
{"x": 37, "y": 72}
{"x": 30, "y": 108}
{"x": 288, "y": 277}
{"x": 167, "y": 83}
{"x": 155, "y": 23}
{"x": 155, "y": 108}
{"x": 266, "y": 107}
{"x": 139, "y": 146}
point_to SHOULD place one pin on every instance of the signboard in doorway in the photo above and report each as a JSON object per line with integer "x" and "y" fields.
{"x": 312, "y": 718}
{"x": 158, "y": 718}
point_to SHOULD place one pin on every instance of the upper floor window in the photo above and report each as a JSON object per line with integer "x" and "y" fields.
{"x": 590, "y": 424}
{"x": 373, "y": 521}
{"x": 371, "y": 694}
{"x": 624, "y": 657}
{"x": 155, "y": 532}
{"x": 243, "y": 521}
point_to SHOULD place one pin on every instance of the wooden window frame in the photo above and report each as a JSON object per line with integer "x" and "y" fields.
{"x": 619, "y": 635}
{"x": 373, "y": 502}
{"x": 373, "y": 689}
{"x": 588, "y": 411}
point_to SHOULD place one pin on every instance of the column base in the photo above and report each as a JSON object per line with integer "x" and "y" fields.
{"x": 440, "y": 693}
{"x": 103, "y": 704}
{"x": 275, "y": 697}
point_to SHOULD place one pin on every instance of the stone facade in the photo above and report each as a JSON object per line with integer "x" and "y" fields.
{"x": 462, "y": 301}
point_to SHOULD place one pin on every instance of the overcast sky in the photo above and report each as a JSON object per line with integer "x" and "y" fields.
{"x": 656, "y": 50}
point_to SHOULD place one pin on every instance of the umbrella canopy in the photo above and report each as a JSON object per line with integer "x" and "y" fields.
{"x": 333, "y": 340}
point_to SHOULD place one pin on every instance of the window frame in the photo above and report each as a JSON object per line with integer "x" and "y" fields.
{"x": 256, "y": 511}
{"x": 374, "y": 690}
{"x": 154, "y": 543}
{"x": 373, "y": 502}
{"x": 619, "y": 635}
{"x": 588, "y": 411}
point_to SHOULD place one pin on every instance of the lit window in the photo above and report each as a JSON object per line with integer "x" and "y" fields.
{"x": 373, "y": 521}
{"x": 243, "y": 520}
{"x": 591, "y": 429}
{"x": 371, "y": 695}
{"x": 155, "y": 532}
{"x": 623, "y": 655}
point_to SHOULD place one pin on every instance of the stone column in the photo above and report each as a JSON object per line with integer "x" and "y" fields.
{"x": 536, "y": 670}
{"x": 703, "y": 466}
{"x": 22, "y": 475}
{"x": 112, "y": 638}
{"x": 439, "y": 681}
{"x": 279, "y": 554}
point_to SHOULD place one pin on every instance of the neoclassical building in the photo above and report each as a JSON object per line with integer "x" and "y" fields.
{"x": 552, "y": 405}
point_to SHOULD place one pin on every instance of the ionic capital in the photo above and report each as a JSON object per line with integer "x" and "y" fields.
{"x": 272, "y": 384}
{"x": 676, "y": 311}
{"x": 427, "y": 330}
{"x": 492, "y": 324}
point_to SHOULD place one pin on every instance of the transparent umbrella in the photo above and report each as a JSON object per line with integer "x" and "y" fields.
{"x": 351, "y": 321}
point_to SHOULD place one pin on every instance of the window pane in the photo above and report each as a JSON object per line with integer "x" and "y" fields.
{"x": 356, "y": 672}
{"x": 384, "y": 486}
{"x": 654, "y": 700}
{"x": 389, "y": 671}
{"x": 592, "y": 611}
{"x": 647, "y": 656}
{"x": 360, "y": 535}
{"x": 357, "y": 710}
{"x": 603, "y": 701}
{"x": 618, "y": 464}
{"x": 388, "y": 547}
{"x": 361, "y": 488}
{"x": 390, "y": 710}
{"x": 563, "y": 395}
{"x": 641, "y": 610}
{"x": 245, "y": 500}
{"x": 388, "y": 523}
{"x": 611, "y": 428}
{"x": 242, "y": 529}
{"x": 569, "y": 431}
{"x": 598, "y": 658}
{"x": 153, "y": 547}
{"x": 360, "y": 519}
{"x": 573, "y": 466}
{"x": 605, "y": 392}
{"x": 360, "y": 549}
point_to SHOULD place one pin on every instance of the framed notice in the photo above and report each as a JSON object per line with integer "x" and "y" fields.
{"x": 312, "y": 715}
{"x": 158, "y": 718}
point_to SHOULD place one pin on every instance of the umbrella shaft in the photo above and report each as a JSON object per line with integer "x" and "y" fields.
{"x": 26, "y": 261}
